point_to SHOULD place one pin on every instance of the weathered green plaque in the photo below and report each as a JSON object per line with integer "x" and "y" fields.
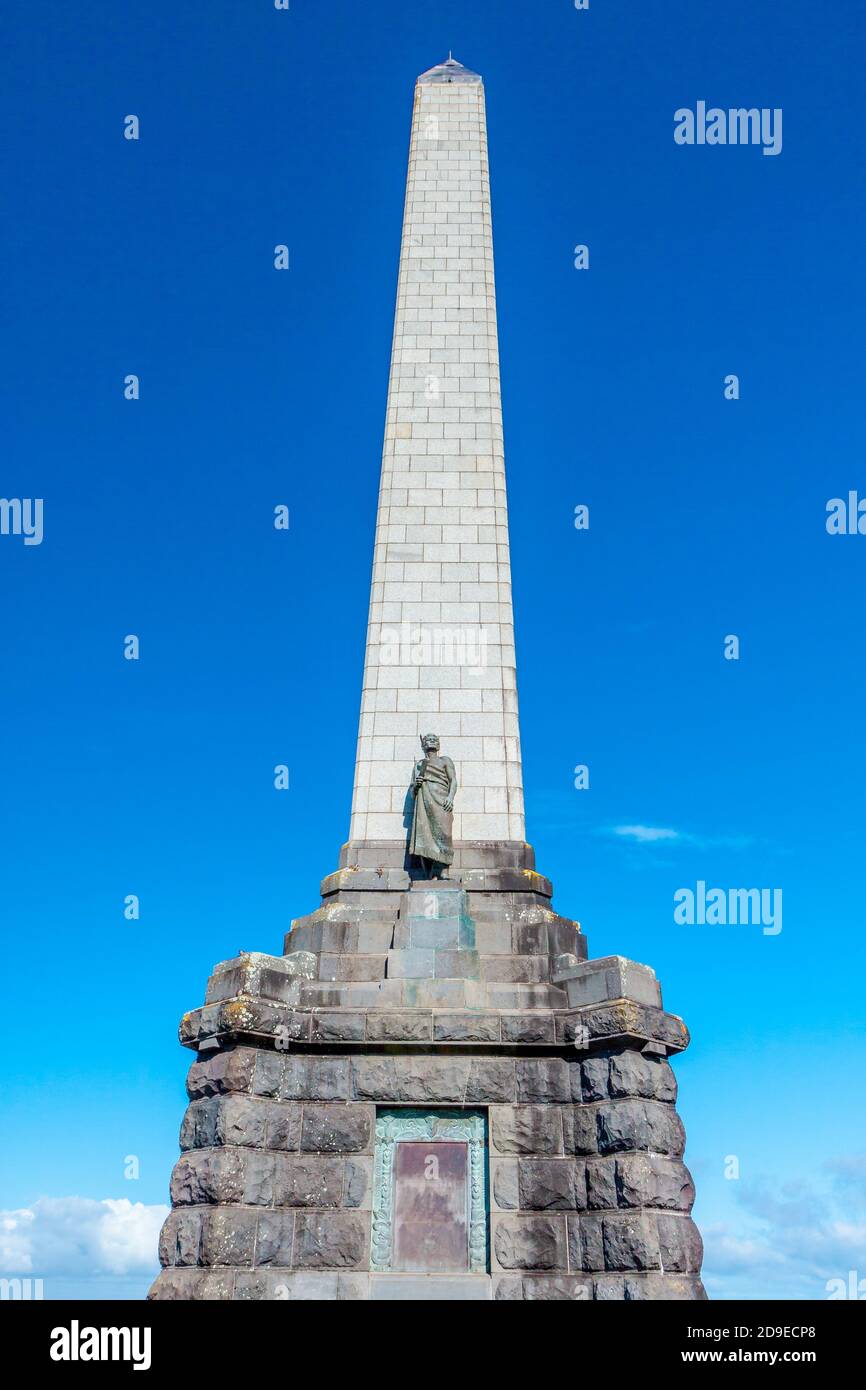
{"x": 430, "y": 1192}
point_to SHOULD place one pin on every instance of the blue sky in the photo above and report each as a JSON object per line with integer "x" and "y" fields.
{"x": 155, "y": 257}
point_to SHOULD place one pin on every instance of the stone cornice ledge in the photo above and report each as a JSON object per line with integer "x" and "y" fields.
{"x": 614, "y": 1022}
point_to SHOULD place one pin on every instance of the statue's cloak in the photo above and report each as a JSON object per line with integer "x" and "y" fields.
{"x": 431, "y": 836}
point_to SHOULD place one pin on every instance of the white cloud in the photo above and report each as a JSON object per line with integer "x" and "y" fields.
{"x": 645, "y": 834}
{"x": 790, "y": 1241}
{"x": 653, "y": 834}
{"x": 729, "y": 1253}
{"x": 81, "y": 1237}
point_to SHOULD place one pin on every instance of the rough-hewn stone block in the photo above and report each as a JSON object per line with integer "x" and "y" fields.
{"x": 358, "y": 1183}
{"x": 316, "y": 1078}
{"x": 528, "y": 1028}
{"x": 180, "y": 1238}
{"x": 585, "y": 1242}
{"x": 593, "y": 1076}
{"x": 630, "y": 1241}
{"x": 680, "y": 1243}
{"x": 222, "y": 1072}
{"x": 526, "y": 1129}
{"x": 410, "y": 1078}
{"x": 639, "y": 1124}
{"x": 530, "y": 1242}
{"x": 601, "y": 1185}
{"x": 199, "y": 1178}
{"x": 283, "y": 1126}
{"x": 466, "y": 1027}
{"x": 240, "y": 1120}
{"x": 580, "y": 1129}
{"x": 382, "y": 1027}
{"x": 308, "y": 1181}
{"x": 491, "y": 1079}
{"x": 274, "y": 1238}
{"x": 337, "y": 1128}
{"x": 338, "y": 1240}
{"x": 632, "y": 1074}
{"x": 268, "y": 1073}
{"x": 506, "y": 1194}
{"x": 259, "y": 1172}
{"x": 547, "y": 1184}
{"x": 198, "y": 1130}
{"x": 647, "y": 1180}
{"x": 186, "y": 1187}
{"x": 228, "y": 1236}
{"x": 339, "y": 1027}
{"x": 542, "y": 1080}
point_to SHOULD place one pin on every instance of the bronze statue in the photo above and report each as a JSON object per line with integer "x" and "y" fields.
{"x": 434, "y": 784}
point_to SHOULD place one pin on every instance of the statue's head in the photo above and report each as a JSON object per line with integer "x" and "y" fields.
{"x": 430, "y": 743}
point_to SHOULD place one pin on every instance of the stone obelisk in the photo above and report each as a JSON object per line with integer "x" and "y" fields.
{"x": 440, "y": 640}
{"x": 433, "y": 1093}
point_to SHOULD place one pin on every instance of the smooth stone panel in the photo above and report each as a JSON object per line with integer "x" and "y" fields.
{"x": 431, "y": 1288}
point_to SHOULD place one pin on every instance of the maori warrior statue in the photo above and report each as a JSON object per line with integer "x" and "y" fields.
{"x": 433, "y": 786}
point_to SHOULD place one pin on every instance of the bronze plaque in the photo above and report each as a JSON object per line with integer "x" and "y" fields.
{"x": 431, "y": 1207}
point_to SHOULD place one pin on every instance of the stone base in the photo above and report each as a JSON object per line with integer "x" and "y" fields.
{"x": 225, "y": 1283}
{"x": 432, "y": 1000}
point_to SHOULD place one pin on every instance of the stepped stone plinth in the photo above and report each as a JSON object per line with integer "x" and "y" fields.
{"x": 437, "y": 1004}
{"x": 433, "y": 1093}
